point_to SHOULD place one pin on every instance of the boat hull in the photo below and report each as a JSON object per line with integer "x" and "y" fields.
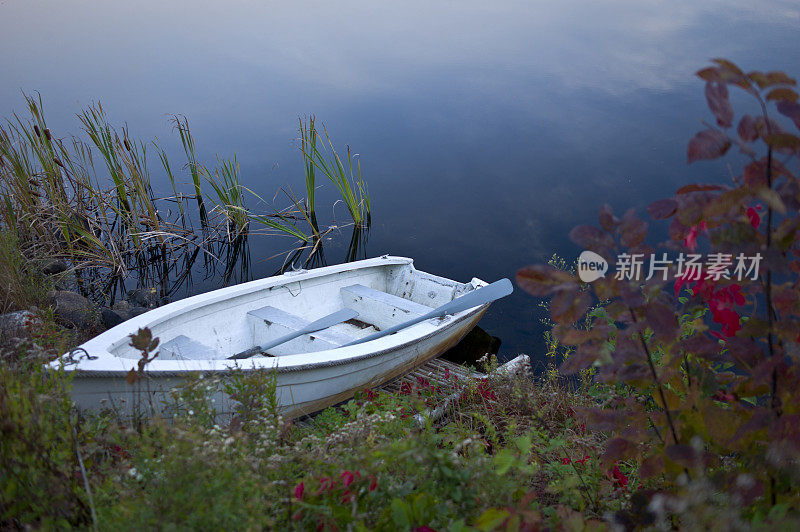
{"x": 300, "y": 392}
{"x": 307, "y": 381}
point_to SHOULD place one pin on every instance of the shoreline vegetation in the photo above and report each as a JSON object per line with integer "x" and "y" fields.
{"x": 664, "y": 405}
{"x": 89, "y": 206}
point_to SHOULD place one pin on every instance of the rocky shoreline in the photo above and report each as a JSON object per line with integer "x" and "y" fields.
{"x": 72, "y": 311}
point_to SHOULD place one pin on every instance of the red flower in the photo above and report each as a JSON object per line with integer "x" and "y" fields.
{"x": 348, "y": 477}
{"x": 619, "y": 479}
{"x": 347, "y": 497}
{"x": 720, "y": 302}
{"x": 325, "y": 484}
{"x": 723, "y": 396}
{"x": 485, "y": 391}
{"x": 755, "y": 219}
{"x": 373, "y": 483}
{"x": 565, "y": 461}
{"x": 424, "y": 528}
{"x": 298, "y": 491}
{"x": 447, "y": 373}
{"x": 582, "y": 460}
{"x": 405, "y": 388}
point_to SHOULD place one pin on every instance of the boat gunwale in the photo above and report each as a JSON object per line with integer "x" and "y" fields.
{"x": 362, "y": 351}
{"x": 166, "y": 373}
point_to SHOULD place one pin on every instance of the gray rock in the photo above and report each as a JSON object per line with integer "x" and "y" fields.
{"x": 143, "y": 297}
{"x": 55, "y": 266}
{"x": 135, "y": 311}
{"x": 121, "y": 307}
{"x": 72, "y": 309}
{"x": 18, "y": 324}
{"x": 110, "y": 318}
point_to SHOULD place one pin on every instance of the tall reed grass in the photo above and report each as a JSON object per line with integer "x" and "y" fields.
{"x": 90, "y": 201}
{"x": 352, "y": 187}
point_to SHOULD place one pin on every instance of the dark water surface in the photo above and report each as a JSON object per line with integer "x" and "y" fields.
{"x": 486, "y": 130}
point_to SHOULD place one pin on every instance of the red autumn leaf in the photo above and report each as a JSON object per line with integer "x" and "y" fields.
{"x": 790, "y": 110}
{"x": 618, "y": 449}
{"x": 770, "y": 79}
{"x": 707, "y": 144}
{"x": 571, "y": 336}
{"x": 699, "y": 187}
{"x": 717, "y": 97}
{"x": 782, "y": 94}
{"x": 569, "y": 304}
{"x": 755, "y": 174}
{"x": 663, "y": 208}
{"x": 747, "y": 128}
{"x": 592, "y": 238}
{"x": 582, "y": 358}
{"x": 651, "y": 466}
{"x": 684, "y": 455}
{"x": 701, "y": 345}
{"x": 785, "y": 142}
{"x": 606, "y": 218}
{"x": 779, "y": 78}
{"x": 755, "y": 219}
{"x": 726, "y": 65}
{"x": 541, "y": 280}
{"x": 661, "y": 319}
{"x": 767, "y": 127}
{"x": 632, "y": 230}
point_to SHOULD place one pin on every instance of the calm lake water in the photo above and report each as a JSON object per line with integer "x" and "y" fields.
{"x": 486, "y": 130}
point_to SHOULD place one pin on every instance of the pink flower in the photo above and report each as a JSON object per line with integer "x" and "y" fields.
{"x": 691, "y": 237}
{"x": 298, "y": 491}
{"x": 755, "y": 219}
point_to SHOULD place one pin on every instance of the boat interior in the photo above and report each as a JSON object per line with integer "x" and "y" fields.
{"x": 382, "y": 296}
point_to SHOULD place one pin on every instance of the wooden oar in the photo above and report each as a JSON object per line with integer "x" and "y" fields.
{"x": 323, "y": 323}
{"x": 481, "y": 296}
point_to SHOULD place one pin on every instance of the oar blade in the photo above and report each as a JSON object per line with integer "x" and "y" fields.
{"x": 478, "y": 297}
{"x": 481, "y": 296}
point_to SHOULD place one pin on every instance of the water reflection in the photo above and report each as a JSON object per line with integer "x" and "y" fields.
{"x": 486, "y": 130}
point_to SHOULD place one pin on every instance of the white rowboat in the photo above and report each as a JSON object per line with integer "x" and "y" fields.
{"x": 316, "y": 370}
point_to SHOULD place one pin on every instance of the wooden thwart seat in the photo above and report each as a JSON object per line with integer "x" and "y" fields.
{"x": 184, "y": 348}
{"x": 269, "y": 323}
{"x": 380, "y": 308}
